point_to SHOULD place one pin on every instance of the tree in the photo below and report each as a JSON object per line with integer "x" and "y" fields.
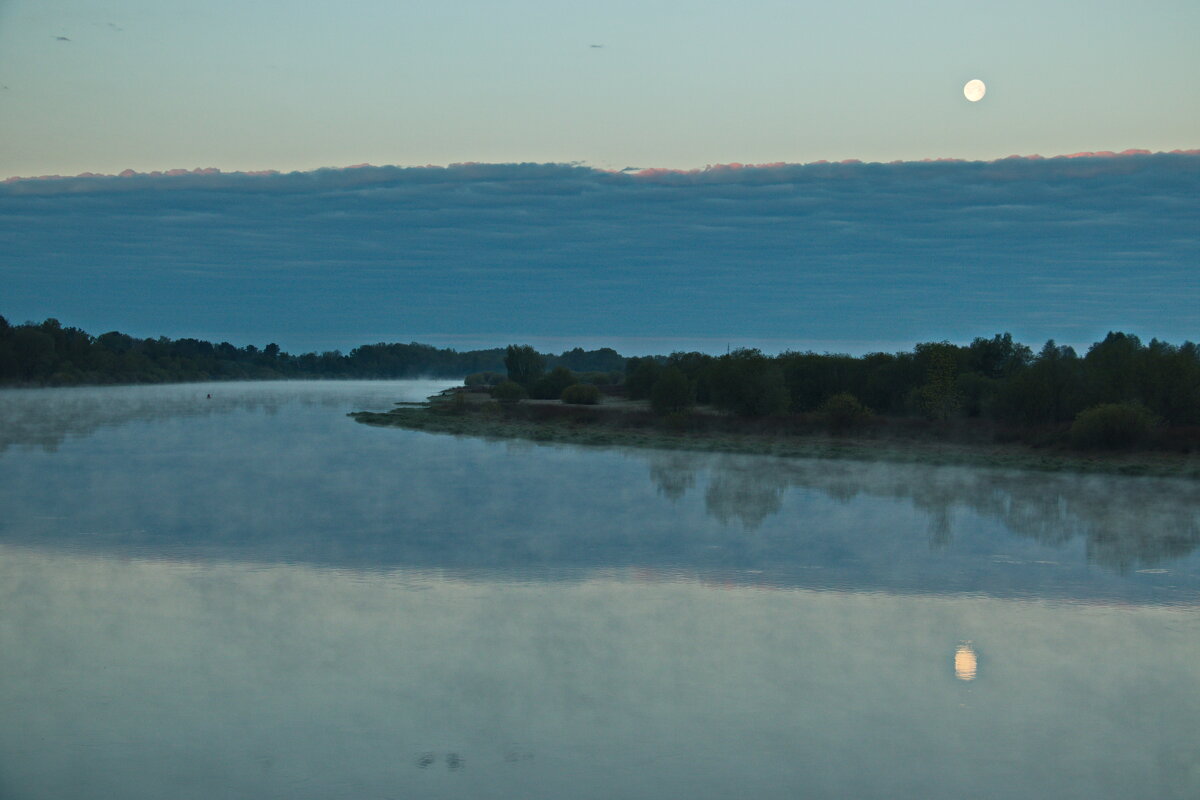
{"x": 749, "y": 384}
{"x": 997, "y": 357}
{"x": 640, "y": 375}
{"x": 603, "y": 360}
{"x": 1171, "y": 382}
{"x": 671, "y": 393}
{"x": 524, "y": 364}
{"x": 939, "y": 397}
{"x": 1113, "y": 367}
{"x": 1050, "y": 390}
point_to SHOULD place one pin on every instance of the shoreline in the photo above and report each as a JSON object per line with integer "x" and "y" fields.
{"x": 582, "y": 429}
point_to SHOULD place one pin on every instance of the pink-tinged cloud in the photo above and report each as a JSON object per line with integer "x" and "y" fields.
{"x": 1105, "y": 154}
{"x": 655, "y": 172}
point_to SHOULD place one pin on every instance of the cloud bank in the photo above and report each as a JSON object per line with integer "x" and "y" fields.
{"x": 837, "y": 256}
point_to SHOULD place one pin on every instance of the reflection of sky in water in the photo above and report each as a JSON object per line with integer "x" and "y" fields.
{"x": 255, "y": 596}
{"x": 131, "y": 678}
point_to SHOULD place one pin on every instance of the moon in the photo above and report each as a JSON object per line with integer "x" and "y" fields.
{"x": 974, "y": 90}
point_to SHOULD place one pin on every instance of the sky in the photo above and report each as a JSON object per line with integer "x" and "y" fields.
{"x": 267, "y": 84}
{"x": 592, "y": 204}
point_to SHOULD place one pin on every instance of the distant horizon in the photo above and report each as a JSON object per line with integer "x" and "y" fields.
{"x": 632, "y": 346}
{"x": 172, "y": 172}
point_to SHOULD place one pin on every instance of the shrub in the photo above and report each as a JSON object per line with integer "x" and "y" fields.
{"x": 844, "y": 411}
{"x": 671, "y": 393}
{"x": 581, "y": 394}
{"x": 509, "y": 392}
{"x": 1111, "y": 425}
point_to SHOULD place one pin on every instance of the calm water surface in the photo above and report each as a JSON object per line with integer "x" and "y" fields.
{"x": 253, "y": 596}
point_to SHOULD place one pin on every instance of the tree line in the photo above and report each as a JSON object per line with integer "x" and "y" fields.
{"x": 51, "y": 354}
{"x": 1131, "y": 383}
{"x": 991, "y": 378}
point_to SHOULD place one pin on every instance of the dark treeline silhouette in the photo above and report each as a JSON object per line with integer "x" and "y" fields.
{"x": 995, "y": 378}
{"x": 49, "y": 354}
{"x": 1115, "y": 390}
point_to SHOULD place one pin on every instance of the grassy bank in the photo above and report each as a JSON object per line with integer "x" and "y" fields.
{"x": 631, "y": 426}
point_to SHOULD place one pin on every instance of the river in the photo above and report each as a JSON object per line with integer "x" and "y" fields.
{"x": 234, "y": 590}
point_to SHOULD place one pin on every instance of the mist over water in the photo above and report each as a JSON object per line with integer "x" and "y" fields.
{"x": 252, "y": 595}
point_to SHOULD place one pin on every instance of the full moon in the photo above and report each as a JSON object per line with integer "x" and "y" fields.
{"x": 974, "y": 90}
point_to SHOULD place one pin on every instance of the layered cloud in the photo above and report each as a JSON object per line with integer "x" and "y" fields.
{"x": 857, "y": 254}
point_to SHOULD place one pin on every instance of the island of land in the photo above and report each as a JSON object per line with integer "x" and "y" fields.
{"x": 615, "y": 421}
{"x": 1124, "y": 407}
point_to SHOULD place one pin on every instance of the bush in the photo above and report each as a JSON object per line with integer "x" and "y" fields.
{"x": 483, "y": 379}
{"x": 1111, "y": 425}
{"x": 671, "y": 393}
{"x": 844, "y": 411}
{"x": 581, "y": 394}
{"x": 509, "y": 392}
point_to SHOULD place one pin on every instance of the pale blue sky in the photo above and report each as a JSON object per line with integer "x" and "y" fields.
{"x": 258, "y": 84}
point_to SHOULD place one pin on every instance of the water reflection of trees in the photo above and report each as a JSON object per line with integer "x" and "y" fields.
{"x": 743, "y": 495}
{"x": 673, "y": 473}
{"x": 1125, "y": 522}
{"x": 737, "y": 491}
